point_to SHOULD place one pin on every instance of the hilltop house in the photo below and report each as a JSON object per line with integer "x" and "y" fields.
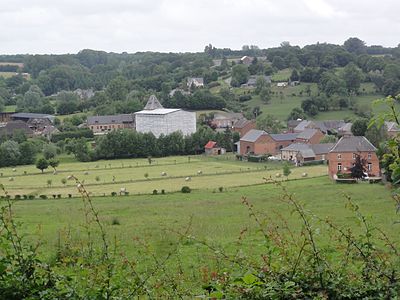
{"x": 343, "y": 154}
{"x": 392, "y": 129}
{"x": 246, "y": 60}
{"x": 195, "y": 81}
{"x": 327, "y": 127}
{"x": 103, "y": 124}
{"x": 259, "y": 142}
{"x": 158, "y": 120}
{"x": 225, "y": 120}
{"x": 252, "y": 82}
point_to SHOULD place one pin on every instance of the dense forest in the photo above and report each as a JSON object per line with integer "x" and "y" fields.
{"x": 121, "y": 82}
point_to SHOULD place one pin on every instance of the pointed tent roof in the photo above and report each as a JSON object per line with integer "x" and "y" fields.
{"x": 153, "y": 103}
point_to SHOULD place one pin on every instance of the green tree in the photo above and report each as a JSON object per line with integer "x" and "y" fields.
{"x": 240, "y": 75}
{"x": 42, "y": 164}
{"x": 352, "y": 77}
{"x": 54, "y": 163}
{"x": 49, "y": 151}
{"x": 359, "y": 168}
{"x": 355, "y": 45}
{"x": 359, "y": 127}
{"x": 296, "y": 113}
{"x": 265, "y": 94}
{"x": 286, "y": 170}
{"x": 9, "y": 153}
{"x": 328, "y": 139}
{"x": 269, "y": 124}
{"x": 28, "y": 153}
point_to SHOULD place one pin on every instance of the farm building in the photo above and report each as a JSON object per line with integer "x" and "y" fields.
{"x": 343, "y": 156}
{"x": 259, "y": 142}
{"x": 13, "y": 127}
{"x": 252, "y": 82}
{"x": 327, "y": 127}
{"x": 103, "y": 124}
{"x": 225, "y": 120}
{"x": 212, "y": 148}
{"x": 310, "y": 136}
{"x": 26, "y": 117}
{"x": 246, "y": 60}
{"x": 392, "y": 129}
{"x": 158, "y": 120}
{"x": 300, "y": 152}
{"x": 243, "y": 126}
{"x": 5, "y": 117}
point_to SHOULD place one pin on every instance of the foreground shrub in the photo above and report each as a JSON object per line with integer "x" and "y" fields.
{"x": 186, "y": 190}
{"x": 43, "y": 196}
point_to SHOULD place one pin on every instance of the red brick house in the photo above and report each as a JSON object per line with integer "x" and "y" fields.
{"x": 343, "y": 155}
{"x": 310, "y": 136}
{"x": 259, "y": 142}
{"x": 243, "y": 126}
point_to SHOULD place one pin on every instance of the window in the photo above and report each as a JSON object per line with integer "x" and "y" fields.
{"x": 354, "y": 156}
{"x": 339, "y": 167}
{"x": 339, "y": 156}
{"x": 369, "y": 155}
{"x": 369, "y": 167}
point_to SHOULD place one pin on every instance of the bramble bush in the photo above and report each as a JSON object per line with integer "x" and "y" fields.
{"x": 293, "y": 264}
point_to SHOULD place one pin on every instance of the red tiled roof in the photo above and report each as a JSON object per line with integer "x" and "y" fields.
{"x": 210, "y": 145}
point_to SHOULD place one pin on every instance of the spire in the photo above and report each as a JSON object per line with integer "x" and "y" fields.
{"x": 153, "y": 103}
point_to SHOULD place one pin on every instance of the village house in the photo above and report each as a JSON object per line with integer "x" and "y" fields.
{"x": 292, "y": 124}
{"x": 243, "y": 126}
{"x": 246, "y": 60}
{"x": 252, "y": 82}
{"x": 310, "y": 136}
{"x": 197, "y": 82}
{"x": 343, "y": 155}
{"x": 327, "y": 127}
{"x": 259, "y": 142}
{"x": 392, "y": 129}
{"x": 225, "y": 120}
{"x": 300, "y": 153}
{"x": 104, "y": 124}
{"x": 158, "y": 120}
{"x": 212, "y": 148}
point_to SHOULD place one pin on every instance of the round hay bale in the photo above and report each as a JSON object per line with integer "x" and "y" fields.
{"x": 188, "y": 178}
{"x": 278, "y": 175}
{"x": 304, "y": 175}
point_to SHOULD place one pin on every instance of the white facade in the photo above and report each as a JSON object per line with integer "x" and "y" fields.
{"x": 165, "y": 121}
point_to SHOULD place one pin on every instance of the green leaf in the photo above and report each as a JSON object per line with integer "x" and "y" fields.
{"x": 249, "y": 278}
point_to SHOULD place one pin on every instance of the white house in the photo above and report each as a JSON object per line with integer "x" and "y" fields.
{"x": 159, "y": 120}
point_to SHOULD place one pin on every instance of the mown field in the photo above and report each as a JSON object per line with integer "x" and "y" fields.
{"x": 218, "y": 215}
{"x": 138, "y": 176}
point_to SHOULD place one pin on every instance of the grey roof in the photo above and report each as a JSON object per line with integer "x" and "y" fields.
{"x": 158, "y": 111}
{"x": 32, "y": 116}
{"x": 302, "y": 125}
{"x": 228, "y": 116}
{"x": 113, "y": 119}
{"x": 307, "y": 134}
{"x": 392, "y": 126}
{"x": 153, "y": 103}
{"x": 253, "y": 135}
{"x": 329, "y": 125}
{"x": 241, "y": 123}
{"x": 322, "y": 148}
{"x": 296, "y": 147}
{"x": 11, "y": 126}
{"x": 353, "y": 144}
{"x": 284, "y": 136}
{"x": 307, "y": 153}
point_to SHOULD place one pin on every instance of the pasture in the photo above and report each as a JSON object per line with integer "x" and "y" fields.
{"x": 138, "y": 176}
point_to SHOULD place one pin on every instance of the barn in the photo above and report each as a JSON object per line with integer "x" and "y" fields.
{"x": 158, "y": 120}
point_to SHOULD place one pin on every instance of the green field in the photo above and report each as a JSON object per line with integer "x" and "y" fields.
{"x": 139, "y": 177}
{"x": 144, "y": 227}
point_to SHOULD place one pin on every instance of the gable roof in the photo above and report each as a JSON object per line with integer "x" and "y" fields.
{"x": 210, "y": 145}
{"x": 392, "y": 126}
{"x": 296, "y": 147}
{"x": 117, "y": 119}
{"x": 322, "y": 148}
{"x": 302, "y": 125}
{"x": 307, "y": 134}
{"x": 353, "y": 144}
{"x": 280, "y": 137}
{"x": 329, "y": 125}
{"x": 152, "y": 103}
{"x": 253, "y": 135}
{"x": 241, "y": 123}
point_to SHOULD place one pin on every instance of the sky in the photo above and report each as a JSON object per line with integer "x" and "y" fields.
{"x": 67, "y": 26}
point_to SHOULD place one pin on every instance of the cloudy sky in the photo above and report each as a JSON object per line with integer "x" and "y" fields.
{"x": 67, "y": 26}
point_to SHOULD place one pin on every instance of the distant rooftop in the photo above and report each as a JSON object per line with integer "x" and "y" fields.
{"x": 253, "y": 135}
{"x": 112, "y": 119}
{"x": 353, "y": 144}
{"x": 153, "y": 103}
{"x": 158, "y": 111}
{"x": 24, "y": 115}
